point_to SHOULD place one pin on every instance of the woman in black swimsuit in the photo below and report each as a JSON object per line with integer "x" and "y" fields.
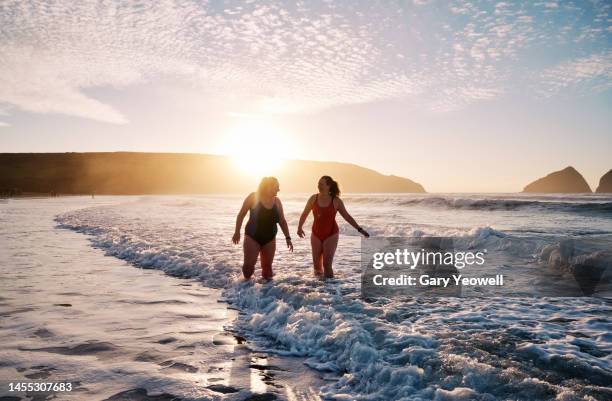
{"x": 266, "y": 210}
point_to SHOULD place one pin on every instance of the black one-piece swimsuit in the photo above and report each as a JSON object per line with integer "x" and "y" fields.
{"x": 262, "y": 223}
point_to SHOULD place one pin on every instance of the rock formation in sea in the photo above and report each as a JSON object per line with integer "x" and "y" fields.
{"x": 567, "y": 180}
{"x": 605, "y": 183}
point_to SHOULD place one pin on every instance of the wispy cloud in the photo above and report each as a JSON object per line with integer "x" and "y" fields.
{"x": 282, "y": 58}
{"x": 591, "y": 74}
{"x": 290, "y": 60}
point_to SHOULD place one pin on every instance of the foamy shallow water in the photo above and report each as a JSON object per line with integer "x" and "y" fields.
{"x": 417, "y": 349}
{"x": 70, "y": 314}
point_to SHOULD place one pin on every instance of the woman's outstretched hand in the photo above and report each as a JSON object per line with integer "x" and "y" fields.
{"x": 289, "y": 244}
{"x": 364, "y": 232}
{"x": 236, "y": 237}
{"x": 301, "y": 233}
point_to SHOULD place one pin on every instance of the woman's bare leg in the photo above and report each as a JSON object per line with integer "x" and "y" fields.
{"x": 251, "y": 251}
{"x": 317, "y": 254}
{"x": 267, "y": 257}
{"x": 329, "y": 250}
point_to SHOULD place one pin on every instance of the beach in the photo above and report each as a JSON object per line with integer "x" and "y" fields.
{"x": 115, "y": 332}
{"x": 138, "y": 295}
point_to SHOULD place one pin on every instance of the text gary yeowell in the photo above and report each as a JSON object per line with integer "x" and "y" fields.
{"x": 424, "y": 279}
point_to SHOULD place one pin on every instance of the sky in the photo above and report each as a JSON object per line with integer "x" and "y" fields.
{"x": 460, "y": 96}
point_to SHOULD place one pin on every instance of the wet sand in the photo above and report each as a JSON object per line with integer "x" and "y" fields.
{"x": 116, "y": 332}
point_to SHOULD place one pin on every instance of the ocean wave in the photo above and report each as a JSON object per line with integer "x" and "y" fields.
{"x": 597, "y": 205}
{"x": 386, "y": 349}
{"x": 509, "y": 204}
{"x": 589, "y": 264}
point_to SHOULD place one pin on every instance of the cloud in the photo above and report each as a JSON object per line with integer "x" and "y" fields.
{"x": 280, "y": 58}
{"x": 40, "y": 82}
{"x": 586, "y": 74}
{"x": 305, "y": 59}
{"x": 3, "y": 124}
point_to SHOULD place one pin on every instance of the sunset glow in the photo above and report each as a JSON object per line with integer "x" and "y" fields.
{"x": 423, "y": 89}
{"x": 256, "y": 146}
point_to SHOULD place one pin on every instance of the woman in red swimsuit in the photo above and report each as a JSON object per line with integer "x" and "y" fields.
{"x": 324, "y": 238}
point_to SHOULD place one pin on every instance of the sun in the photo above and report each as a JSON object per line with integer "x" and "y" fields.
{"x": 257, "y": 147}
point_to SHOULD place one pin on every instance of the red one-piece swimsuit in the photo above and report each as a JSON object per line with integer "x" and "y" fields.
{"x": 324, "y": 224}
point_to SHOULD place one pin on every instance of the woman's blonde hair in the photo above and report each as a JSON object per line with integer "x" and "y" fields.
{"x": 266, "y": 183}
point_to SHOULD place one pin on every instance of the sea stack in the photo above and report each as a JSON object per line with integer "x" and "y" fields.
{"x": 605, "y": 183}
{"x": 567, "y": 180}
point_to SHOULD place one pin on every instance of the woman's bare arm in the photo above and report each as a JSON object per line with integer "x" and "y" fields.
{"x": 349, "y": 219}
{"x": 304, "y": 216}
{"x": 283, "y": 223}
{"x": 246, "y": 205}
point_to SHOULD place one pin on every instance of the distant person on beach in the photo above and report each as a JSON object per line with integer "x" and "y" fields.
{"x": 325, "y": 232}
{"x": 266, "y": 210}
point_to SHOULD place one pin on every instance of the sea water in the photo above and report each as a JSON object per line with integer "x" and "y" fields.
{"x": 519, "y": 348}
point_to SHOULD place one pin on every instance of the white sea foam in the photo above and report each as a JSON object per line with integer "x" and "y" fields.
{"x": 445, "y": 349}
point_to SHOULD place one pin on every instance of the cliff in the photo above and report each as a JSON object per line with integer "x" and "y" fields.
{"x": 123, "y": 173}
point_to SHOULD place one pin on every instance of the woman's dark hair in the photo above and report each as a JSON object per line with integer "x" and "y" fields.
{"x": 334, "y": 189}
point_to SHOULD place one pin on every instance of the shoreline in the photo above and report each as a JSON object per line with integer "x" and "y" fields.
{"x": 119, "y": 332}
{"x": 362, "y": 343}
